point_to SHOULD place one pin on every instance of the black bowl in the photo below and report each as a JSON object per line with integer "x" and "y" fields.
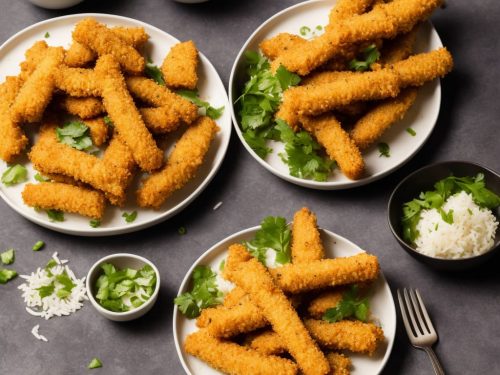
{"x": 423, "y": 180}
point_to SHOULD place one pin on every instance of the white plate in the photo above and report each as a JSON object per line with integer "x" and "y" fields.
{"x": 421, "y": 117}
{"x": 381, "y": 305}
{"x": 210, "y": 87}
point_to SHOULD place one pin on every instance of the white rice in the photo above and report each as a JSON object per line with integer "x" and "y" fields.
{"x": 34, "y": 332}
{"x": 50, "y": 306}
{"x": 471, "y": 233}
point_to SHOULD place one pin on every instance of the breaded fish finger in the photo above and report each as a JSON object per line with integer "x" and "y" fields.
{"x": 306, "y": 240}
{"x": 250, "y": 275}
{"x": 266, "y": 342}
{"x": 321, "y": 98}
{"x": 37, "y": 90}
{"x": 234, "y": 297}
{"x": 135, "y": 36}
{"x": 13, "y": 140}
{"x": 275, "y": 46}
{"x": 180, "y": 66}
{"x": 338, "y": 144}
{"x": 77, "y": 82}
{"x": 64, "y": 197}
{"x": 234, "y": 359}
{"x": 103, "y": 41}
{"x": 229, "y": 322}
{"x": 181, "y": 166}
{"x": 350, "y": 335}
{"x": 324, "y": 301}
{"x": 99, "y": 131}
{"x": 339, "y": 363}
{"x": 125, "y": 116}
{"x": 33, "y": 57}
{"x": 373, "y": 124}
{"x": 347, "y": 8}
{"x": 297, "y": 278}
{"x": 84, "y": 108}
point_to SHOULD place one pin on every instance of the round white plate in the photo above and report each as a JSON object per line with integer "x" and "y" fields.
{"x": 381, "y": 305}
{"x": 210, "y": 88}
{"x": 421, "y": 117}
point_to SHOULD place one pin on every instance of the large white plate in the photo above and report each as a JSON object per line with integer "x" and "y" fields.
{"x": 210, "y": 87}
{"x": 381, "y": 304}
{"x": 421, "y": 117}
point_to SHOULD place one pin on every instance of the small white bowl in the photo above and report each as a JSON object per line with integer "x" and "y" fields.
{"x": 55, "y": 4}
{"x": 120, "y": 261}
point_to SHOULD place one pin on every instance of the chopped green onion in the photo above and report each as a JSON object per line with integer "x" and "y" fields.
{"x": 8, "y": 256}
{"x": 6, "y": 275}
{"x": 55, "y": 215}
{"x": 38, "y": 245}
{"x": 15, "y": 174}
{"x": 411, "y": 132}
{"x": 94, "y": 363}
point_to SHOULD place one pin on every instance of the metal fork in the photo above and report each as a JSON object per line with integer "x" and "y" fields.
{"x": 418, "y": 325}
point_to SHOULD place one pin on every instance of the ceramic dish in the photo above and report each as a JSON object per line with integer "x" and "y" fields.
{"x": 210, "y": 87}
{"x": 423, "y": 180}
{"x": 381, "y": 304}
{"x": 421, "y": 117}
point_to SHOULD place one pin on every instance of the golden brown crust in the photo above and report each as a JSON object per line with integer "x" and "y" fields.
{"x": 306, "y": 241}
{"x": 339, "y": 363}
{"x": 77, "y": 82}
{"x": 84, "y": 108}
{"x": 99, "y": 131}
{"x": 266, "y": 342}
{"x": 324, "y": 301}
{"x": 180, "y": 66}
{"x": 275, "y": 46}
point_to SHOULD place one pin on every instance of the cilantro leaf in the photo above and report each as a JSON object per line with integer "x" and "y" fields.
{"x": 15, "y": 174}
{"x": 301, "y": 154}
{"x": 369, "y": 55}
{"x": 286, "y": 78}
{"x": 350, "y": 306}
{"x": 384, "y": 150}
{"x": 55, "y": 215}
{"x": 75, "y": 134}
{"x": 274, "y": 234}
{"x": 257, "y": 141}
{"x": 95, "y": 223}
{"x": 130, "y": 217}
{"x": 204, "y": 293}
{"x": 205, "y": 108}
{"x": 153, "y": 72}
{"x": 46, "y": 290}
{"x": 8, "y": 256}
{"x": 6, "y": 275}
{"x": 94, "y": 363}
{"x": 65, "y": 281}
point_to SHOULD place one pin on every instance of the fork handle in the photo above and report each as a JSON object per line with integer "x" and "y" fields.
{"x": 438, "y": 369}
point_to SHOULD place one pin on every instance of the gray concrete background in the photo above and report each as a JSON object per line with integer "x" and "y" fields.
{"x": 465, "y": 307}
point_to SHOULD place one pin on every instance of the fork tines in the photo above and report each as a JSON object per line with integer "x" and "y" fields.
{"x": 415, "y": 316}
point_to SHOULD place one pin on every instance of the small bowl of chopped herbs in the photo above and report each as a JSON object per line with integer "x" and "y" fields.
{"x": 123, "y": 286}
{"x": 447, "y": 214}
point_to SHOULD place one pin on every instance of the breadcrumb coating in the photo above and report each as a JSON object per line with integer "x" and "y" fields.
{"x": 103, "y": 41}
{"x": 79, "y": 55}
{"x": 180, "y": 66}
{"x": 375, "y": 122}
{"x": 339, "y": 363}
{"x": 181, "y": 166}
{"x": 277, "y": 45}
{"x": 250, "y": 275}
{"x": 345, "y": 9}
{"x": 77, "y": 82}
{"x": 84, "y": 108}
{"x": 33, "y": 56}
{"x": 338, "y": 144}
{"x": 266, "y": 342}
{"x": 297, "y": 278}
{"x": 351, "y": 335}
{"x": 126, "y": 118}
{"x": 324, "y": 301}
{"x": 234, "y": 359}
{"x": 64, "y": 197}
{"x": 306, "y": 241}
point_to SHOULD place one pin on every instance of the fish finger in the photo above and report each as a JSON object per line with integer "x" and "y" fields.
{"x": 339, "y": 363}
{"x": 64, "y": 197}
{"x": 181, "y": 166}
{"x": 180, "y": 66}
{"x": 84, "y": 108}
{"x": 77, "y": 82}
{"x": 250, "y": 275}
{"x": 33, "y": 56}
{"x": 306, "y": 241}
{"x": 99, "y": 131}
{"x": 125, "y": 116}
{"x": 324, "y": 301}
{"x": 235, "y": 359}
{"x": 103, "y": 41}
{"x": 277, "y": 45}
{"x": 266, "y": 342}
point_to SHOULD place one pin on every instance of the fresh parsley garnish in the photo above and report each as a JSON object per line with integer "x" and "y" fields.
{"x": 368, "y": 56}
{"x": 46, "y": 290}
{"x": 259, "y": 101}
{"x": 40, "y": 178}
{"x": 205, "y": 108}
{"x": 75, "y": 134}
{"x": 204, "y": 293}
{"x": 182, "y": 230}
{"x": 130, "y": 217}
{"x": 301, "y": 154}
{"x": 122, "y": 290}
{"x": 384, "y": 150}
{"x": 153, "y": 72}
{"x": 94, "y": 363}
{"x": 61, "y": 284}
{"x": 95, "y": 223}
{"x": 411, "y": 132}
{"x": 445, "y": 188}
{"x": 6, "y": 275}
{"x": 350, "y": 306}
{"x": 15, "y": 174}
{"x": 38, "y": 245}
{"x": 8, "y": 256}
{"x": 47, "y": 35}
{"x": 55, "y": 215}
{"x": 274, "y": 234}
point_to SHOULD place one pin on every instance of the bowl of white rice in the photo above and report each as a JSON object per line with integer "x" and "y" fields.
{"x": 455, "y": 230}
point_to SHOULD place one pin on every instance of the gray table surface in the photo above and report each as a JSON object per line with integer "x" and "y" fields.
{"x": 465, "y": 307}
